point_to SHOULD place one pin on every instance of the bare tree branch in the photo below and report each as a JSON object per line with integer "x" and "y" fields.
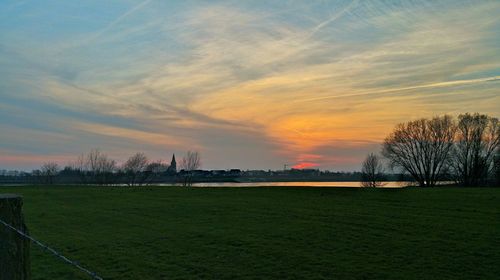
{"x": 478, "y": 139}
{"x": 49, "y": 170}
{"x": 422, "y": 148}
{"x": 135, "y": 169}
{"x": 372, "y": 172}
{"x": 191, "y": 161}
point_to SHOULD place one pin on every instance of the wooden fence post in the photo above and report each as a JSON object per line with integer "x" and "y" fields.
{"x": 14, "y": 249}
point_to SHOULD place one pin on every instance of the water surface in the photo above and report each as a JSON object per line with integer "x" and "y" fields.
{"x": 298, "y": 184}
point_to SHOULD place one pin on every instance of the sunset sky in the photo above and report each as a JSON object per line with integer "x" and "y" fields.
{"x": 249, "y": 84}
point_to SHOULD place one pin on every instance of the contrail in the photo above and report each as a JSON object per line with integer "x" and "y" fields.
{"x": 332, "y": 18}
{"x": 306, "y": 36}
{"x": 433, "y": 85}
{"x": 120, "y": 18}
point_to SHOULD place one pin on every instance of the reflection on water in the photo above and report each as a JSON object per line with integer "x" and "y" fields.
{"x": 394, "y": 184}
{"x": 298, "y": 184}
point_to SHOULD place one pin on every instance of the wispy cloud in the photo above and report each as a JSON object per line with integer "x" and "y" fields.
{"x": 295, "y": 83}
{"x": 118, "y": 20}
{"x": 141, "y": 137}
{"x": 333, "y": 18}
{"x": 393, "y": 90}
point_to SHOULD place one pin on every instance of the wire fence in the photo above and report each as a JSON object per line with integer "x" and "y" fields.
{"x": 54, "y": 252}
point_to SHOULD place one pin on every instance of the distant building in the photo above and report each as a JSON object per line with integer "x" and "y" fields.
{"x": 172, "y": 169}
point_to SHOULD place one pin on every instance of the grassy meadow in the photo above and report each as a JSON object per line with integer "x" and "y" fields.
{"x": 265, "y": 233}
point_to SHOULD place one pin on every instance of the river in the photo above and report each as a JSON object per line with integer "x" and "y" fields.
{"x": 296, "y": 184}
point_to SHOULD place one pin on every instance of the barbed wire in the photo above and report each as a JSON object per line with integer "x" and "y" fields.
{"x": 54, "y": 252}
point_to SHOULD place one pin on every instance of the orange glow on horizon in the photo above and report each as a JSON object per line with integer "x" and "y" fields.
{"x": 305, "y": 165}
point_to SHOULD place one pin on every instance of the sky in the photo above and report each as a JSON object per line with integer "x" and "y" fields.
{"x": 248, "y": 84}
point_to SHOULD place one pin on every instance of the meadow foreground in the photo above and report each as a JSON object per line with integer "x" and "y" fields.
{"x": 271, "y": 233}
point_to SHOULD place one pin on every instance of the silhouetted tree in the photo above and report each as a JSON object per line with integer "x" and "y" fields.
{"x": 478, "y": 139}
{"x": 497, "y": 168}
{"x": 190, "y": 162}
{"x": 80, "y": 166}
{"x": 372, "y": 172}
{"x": 154, "y": 170}
{"x": 422, "y": 148}
{"x": 95, "y": 167}
{"x": 102, "y": 167}
{"x": 135, "y": 169}
{"x": 48, "y": 171}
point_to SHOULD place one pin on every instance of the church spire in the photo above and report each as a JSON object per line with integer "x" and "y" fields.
{"x": 173, "y": 165}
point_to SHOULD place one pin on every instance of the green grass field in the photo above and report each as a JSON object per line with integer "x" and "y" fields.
{"x": 263, "y": 233}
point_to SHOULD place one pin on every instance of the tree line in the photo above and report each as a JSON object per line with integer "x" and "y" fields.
{"x": 96, "y": 167}
{"x": 463, "y": 150}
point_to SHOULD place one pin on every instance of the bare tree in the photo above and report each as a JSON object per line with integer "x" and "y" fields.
{"x": 95, "y": 167}
{"x": 93, "y": 161}
{"x": 497, "y": 168}
{"x": 105, "y": 169}
{"x": 135, "y": 169}
{"x": 80, "y": 166}
{"x": 190, "y": 162}
{"x": 478, "y": 139}
{"x": 154, "y": 171}
{"x": 422, "y": 148}
{"x": 372, "y": 172}
{"x": 49, "y": 170}
{"x": 101, "y": 167}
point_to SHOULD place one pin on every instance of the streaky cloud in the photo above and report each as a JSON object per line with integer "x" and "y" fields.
{"x": 267, "y": 82}
{"x": 393, "y": 90}
{"x": 119, "y": 19}
{"x": 333, "y": 18}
